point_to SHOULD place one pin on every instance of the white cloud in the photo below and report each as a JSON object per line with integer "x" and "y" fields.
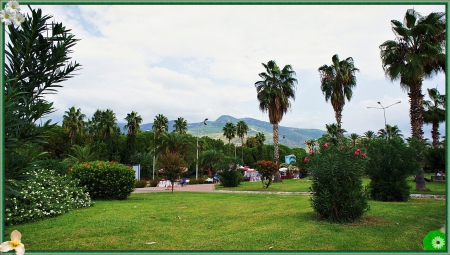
{"x": 197, "y": 61}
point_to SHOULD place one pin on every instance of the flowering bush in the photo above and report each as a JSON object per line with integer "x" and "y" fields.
{"x": 267, "y": 169}
{"x": 337, "y": 192}
{"x": 47, "y": 195}
{"x": 105, "y": 180}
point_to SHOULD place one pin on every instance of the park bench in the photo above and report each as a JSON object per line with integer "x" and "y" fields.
{"x": 437, "y": 178}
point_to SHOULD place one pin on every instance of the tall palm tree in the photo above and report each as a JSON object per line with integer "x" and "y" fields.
{"x": 73, "y": 122}
{"x": 434, "y": 113}
{"x": 211, "y": 157}
{"x": 160, "y": 124}
{"x": 337, "y": 82}
{"x": 274, "y": 92}
{"x": 133, "y": 123}
{"x": 260, "y": 138}
{"x": 417, "y": 53}
{"x": 332, "y": 133}
{"x": 390, "y": 132}
{"x": 229, "y": 131}
{"x": 108, "y": 123}
{"x": 241, "y": 131}
{"x": 180, "y": 126}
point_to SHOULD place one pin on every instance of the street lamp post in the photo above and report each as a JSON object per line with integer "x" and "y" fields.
{"x": 384, "y": 112}
{"x": 154, "y": 153}
{"x": 196, "y": 166}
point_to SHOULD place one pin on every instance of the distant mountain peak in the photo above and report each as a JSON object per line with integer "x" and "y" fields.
{"x": 226, "y": 119}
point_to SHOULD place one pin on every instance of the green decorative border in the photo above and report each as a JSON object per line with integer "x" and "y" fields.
{"x": 208, "y": 2}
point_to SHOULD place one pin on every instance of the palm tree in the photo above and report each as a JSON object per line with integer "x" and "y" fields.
{"x": 417, "y": 52}
{"x": 337, "y": 82}
{"x": 133, "y": 122}
{"x": 390, "y": 132}
{"x": 434, "y": 113}
{"x": 310, "y": 144}
{"x": 274, "y": 92}
{"x": 211, "y": 157}
{"x": 241, "y": 131}
{"x": 260, "y": 138}
{"x": 108, "y": 124}
{"x": 332, "y": 133}
{"x": 175, "y": 143}
{"x": 369, "y": 135}
{"x": 160, "y": 124}
{"x": 80, "y": 154}
{"x": 353, "y": 138}
{"x": 73, "y": 122}
{"x": 229, "y": 131}
{"x": 180, "y": 126}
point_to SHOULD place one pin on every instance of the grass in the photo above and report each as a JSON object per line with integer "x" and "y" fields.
{"x": 302, "y": 185}
{"x": 183, "y": 221}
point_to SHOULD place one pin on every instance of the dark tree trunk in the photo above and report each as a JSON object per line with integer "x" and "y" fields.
{"x": 338, "y": 116}
{"x": 420, "y": 182}
{"x": 416, "y": 110}
{"x": 435, "y": 133}
{"x": 275, "y": 143}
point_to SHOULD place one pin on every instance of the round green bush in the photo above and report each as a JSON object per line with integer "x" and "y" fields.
{"x": 230, "y": 178}
{"x": 56, "y": 165}
{"x": 337, "y": 191}
{"x": 106, "y": 180}
{"x": 46, "y": 195}
{"x": 391, "y": 163}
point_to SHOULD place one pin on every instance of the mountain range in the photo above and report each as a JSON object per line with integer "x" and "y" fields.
{"x": 293, "y": 137}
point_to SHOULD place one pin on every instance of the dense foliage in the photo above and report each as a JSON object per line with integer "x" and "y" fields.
{"x": 105, "y": 180}
{"x": 230, "y": 178}
{"x": 337, "y": 192}
{"x": 391, "y": 162}
{"x": 46, "y": 195}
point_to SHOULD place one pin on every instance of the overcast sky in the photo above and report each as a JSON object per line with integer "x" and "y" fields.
{"x": 202, "y": 61}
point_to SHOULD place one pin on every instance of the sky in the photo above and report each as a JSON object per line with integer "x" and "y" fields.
{"x": 202, "y": 61}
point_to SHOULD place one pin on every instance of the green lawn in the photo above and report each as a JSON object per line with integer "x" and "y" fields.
{"x": 163, "y": 221}
{"x": 302, "y": 185}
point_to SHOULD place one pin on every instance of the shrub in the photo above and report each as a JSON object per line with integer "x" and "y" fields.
{"x": 199, "y": 181}
{"x": 154, "y": 183}
{"x": 47, "y": 195}
{"x": 141, "y": 184}
{"x": 391, "y": 162}
{"x": 105, "y": 180}
{"x": 337, "y": 192}
{"x": 435, "y": 159}
{"x": 267, "y": 169}
{"x": 55, "y": 165}
{"x": 230, "y": 178}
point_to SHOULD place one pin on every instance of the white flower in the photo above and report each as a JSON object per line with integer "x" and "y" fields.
{"x": 13, "y": 6}
{"x": 14, "y": 244}
{"x": 7, "y": 16}
{"x": 18, "y": 19}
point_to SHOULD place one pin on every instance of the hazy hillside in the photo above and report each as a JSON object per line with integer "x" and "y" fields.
{"x": 294, "y": 137}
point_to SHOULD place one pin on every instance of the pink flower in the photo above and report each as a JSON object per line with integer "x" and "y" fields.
{"x": 325, "y": 145}
{"x": 357, "y": 152}
{"x": 311, "y": 152}
{"x": 305, "y": 160}
{"x": 363, "y": 155}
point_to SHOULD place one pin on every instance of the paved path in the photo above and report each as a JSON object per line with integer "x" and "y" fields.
{"x": 210, "y": 188}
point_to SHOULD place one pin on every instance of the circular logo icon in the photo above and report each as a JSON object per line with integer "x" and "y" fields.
{"x": 434, "y": 240}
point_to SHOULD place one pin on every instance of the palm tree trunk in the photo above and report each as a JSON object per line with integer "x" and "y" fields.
{"x": 338, "y": 116}
{"x": 435, "y": 133}
{"x": 242, "y": 149}
{"x": 416, "y": 110}
{"x": 275, "y": 143}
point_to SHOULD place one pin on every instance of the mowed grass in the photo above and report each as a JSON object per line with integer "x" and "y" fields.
{"x": 302, "y": 185}
{"x": 187, "y": 221}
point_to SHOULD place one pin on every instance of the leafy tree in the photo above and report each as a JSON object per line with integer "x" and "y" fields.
{"x": 229, "y": 131}
{"x": 73, "y": 121}
{"x": 211, "y": 157}
{"x": 417, "y": 52}
{"x": 180, "y": 126}
{"x": 389, "y": 132}
{"x": 175, "y": 143}
{"x": 369, "y": 135}
{"x": 133, "y": 123}
{"x": 241, "y": 131}
{"x": 172, "y": 165}
{"x": 337, "y": 82}
{"x": 434, "y": 113}
{"x": 251, "y": 142}
{"x": 37, "y": 61}
{"x": 145, "y": 160}
{"x": 57, "y": 143}
{"x": 260, "y": 138}
{"x": 274, "y": 92}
